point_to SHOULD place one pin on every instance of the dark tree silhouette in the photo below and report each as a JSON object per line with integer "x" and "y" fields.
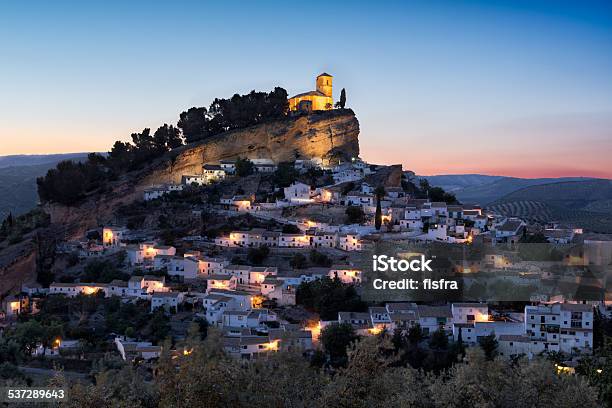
{"x": 342, "y": 102}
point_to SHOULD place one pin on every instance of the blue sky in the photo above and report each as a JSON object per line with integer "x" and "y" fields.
{"x": 513, "y": 88}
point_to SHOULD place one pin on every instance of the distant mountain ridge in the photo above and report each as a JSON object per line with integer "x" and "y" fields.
{"x": 19, "y": 160}
{"x": 18, "y": 175}
{"x": 484, "y": 189}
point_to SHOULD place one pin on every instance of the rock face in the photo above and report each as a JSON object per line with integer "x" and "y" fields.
{"x": 17, "y": 266}
{"x": 316, "y": 135}
{"x": 322, "y": 134}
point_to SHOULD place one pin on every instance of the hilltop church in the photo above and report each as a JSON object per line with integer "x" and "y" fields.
{"x": 321, "y": 99}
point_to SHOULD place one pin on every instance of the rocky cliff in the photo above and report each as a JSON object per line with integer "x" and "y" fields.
{"x": 315, "y": 135}
{"x": 322, "y": 134}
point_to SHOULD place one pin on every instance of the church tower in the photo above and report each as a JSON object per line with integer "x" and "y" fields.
{"x": 324, "y": 84}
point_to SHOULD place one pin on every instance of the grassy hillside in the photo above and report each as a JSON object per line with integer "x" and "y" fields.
{"x": 586, "y": 204}
{"x": 18, "y": 180}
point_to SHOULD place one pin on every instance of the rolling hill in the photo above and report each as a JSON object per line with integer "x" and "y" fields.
{"x": 18, "y": 175}
{"x": 483, "y": 189}
{"x": 586, "y": 204}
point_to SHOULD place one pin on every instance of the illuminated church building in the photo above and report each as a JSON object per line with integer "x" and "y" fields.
{"x": 321, "y": 99}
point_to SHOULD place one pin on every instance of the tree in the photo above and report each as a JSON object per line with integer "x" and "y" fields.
{"x": 319, "y": 259}
{"x": 342, "y": 102}
{"x": 244, "y": 167}
{"x": 28, "y": 335}
{"x": 290, "y": 229}
{"x": 489, "y": 346}
{"x": 256, "y": 256}
{"x": 335, "y": 338}
{"x": 327, "y": 297}
{"x": 298, "y": 261}
{"x": 167, "y": 137}
{"x": 120, "y": 155}
{"x": 415, "y": 334}
{"x": 460, "y": 345}
{"x": 354, "y": 215}
{"x": 237, "y": 112}
{"x": 597, "y": 369}
{"x": 158, "y": 327}
{"x": 498, "y": 383}
{"x": 438, "y": 340}
{"x": 369, "y": 377}
{"x": 193, "y": 123}
{"x": 103, "y": 271}
{"x": 438, "y": 194}
{"x": 285, "y": 174}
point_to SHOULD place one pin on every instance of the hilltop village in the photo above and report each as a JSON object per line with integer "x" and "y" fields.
{"x": 246, "y": 281}
{"x": 270, "y": 254}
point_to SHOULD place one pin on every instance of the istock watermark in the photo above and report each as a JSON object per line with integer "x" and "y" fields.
{"x": 384, "y": 263}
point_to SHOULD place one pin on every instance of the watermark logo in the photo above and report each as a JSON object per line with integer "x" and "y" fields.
{"x": 384, "y": 263}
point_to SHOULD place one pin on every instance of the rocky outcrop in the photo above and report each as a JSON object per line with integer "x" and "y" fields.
{"x": 321, "y": 134}
{"x": 17, "y": 266}
{"x": 316, "y": 135}
{"x": 389, "y": 176}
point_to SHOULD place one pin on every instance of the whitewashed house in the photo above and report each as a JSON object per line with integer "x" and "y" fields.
{"x": 229, "y": 166}
{"x": 345, "y": 273}
{"x": 155, "y": 192}
{"x": 560, "y": 327}
{"x": 298, "y": 193}
{"x": 213, "y": 172}
{"x": 211, "y": 266}
{"x": 221, "y": 282}
{"x": 349, "y": 242}
{"x": 113, "y": 236}
{"x": 167, "y": 300}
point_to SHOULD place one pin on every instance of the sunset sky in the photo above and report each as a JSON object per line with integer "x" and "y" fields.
{"x": 518, "y": 88}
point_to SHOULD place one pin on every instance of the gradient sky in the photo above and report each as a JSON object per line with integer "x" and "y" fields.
{"x": 509, "y": 88}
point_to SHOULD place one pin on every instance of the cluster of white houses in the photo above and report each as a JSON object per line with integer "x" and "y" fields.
{"x": 557, "y": 327}
{"x": 219, "y": 274}
{"x": 214, "y": 172}
{"x": 256, "y": 237}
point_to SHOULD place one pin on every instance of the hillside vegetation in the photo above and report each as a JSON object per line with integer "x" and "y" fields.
{"x": 586, "y": 204}
{"x": 18, "y": 180}
{"x": 483, "y": 190}
{"x": 70, "y": 182}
